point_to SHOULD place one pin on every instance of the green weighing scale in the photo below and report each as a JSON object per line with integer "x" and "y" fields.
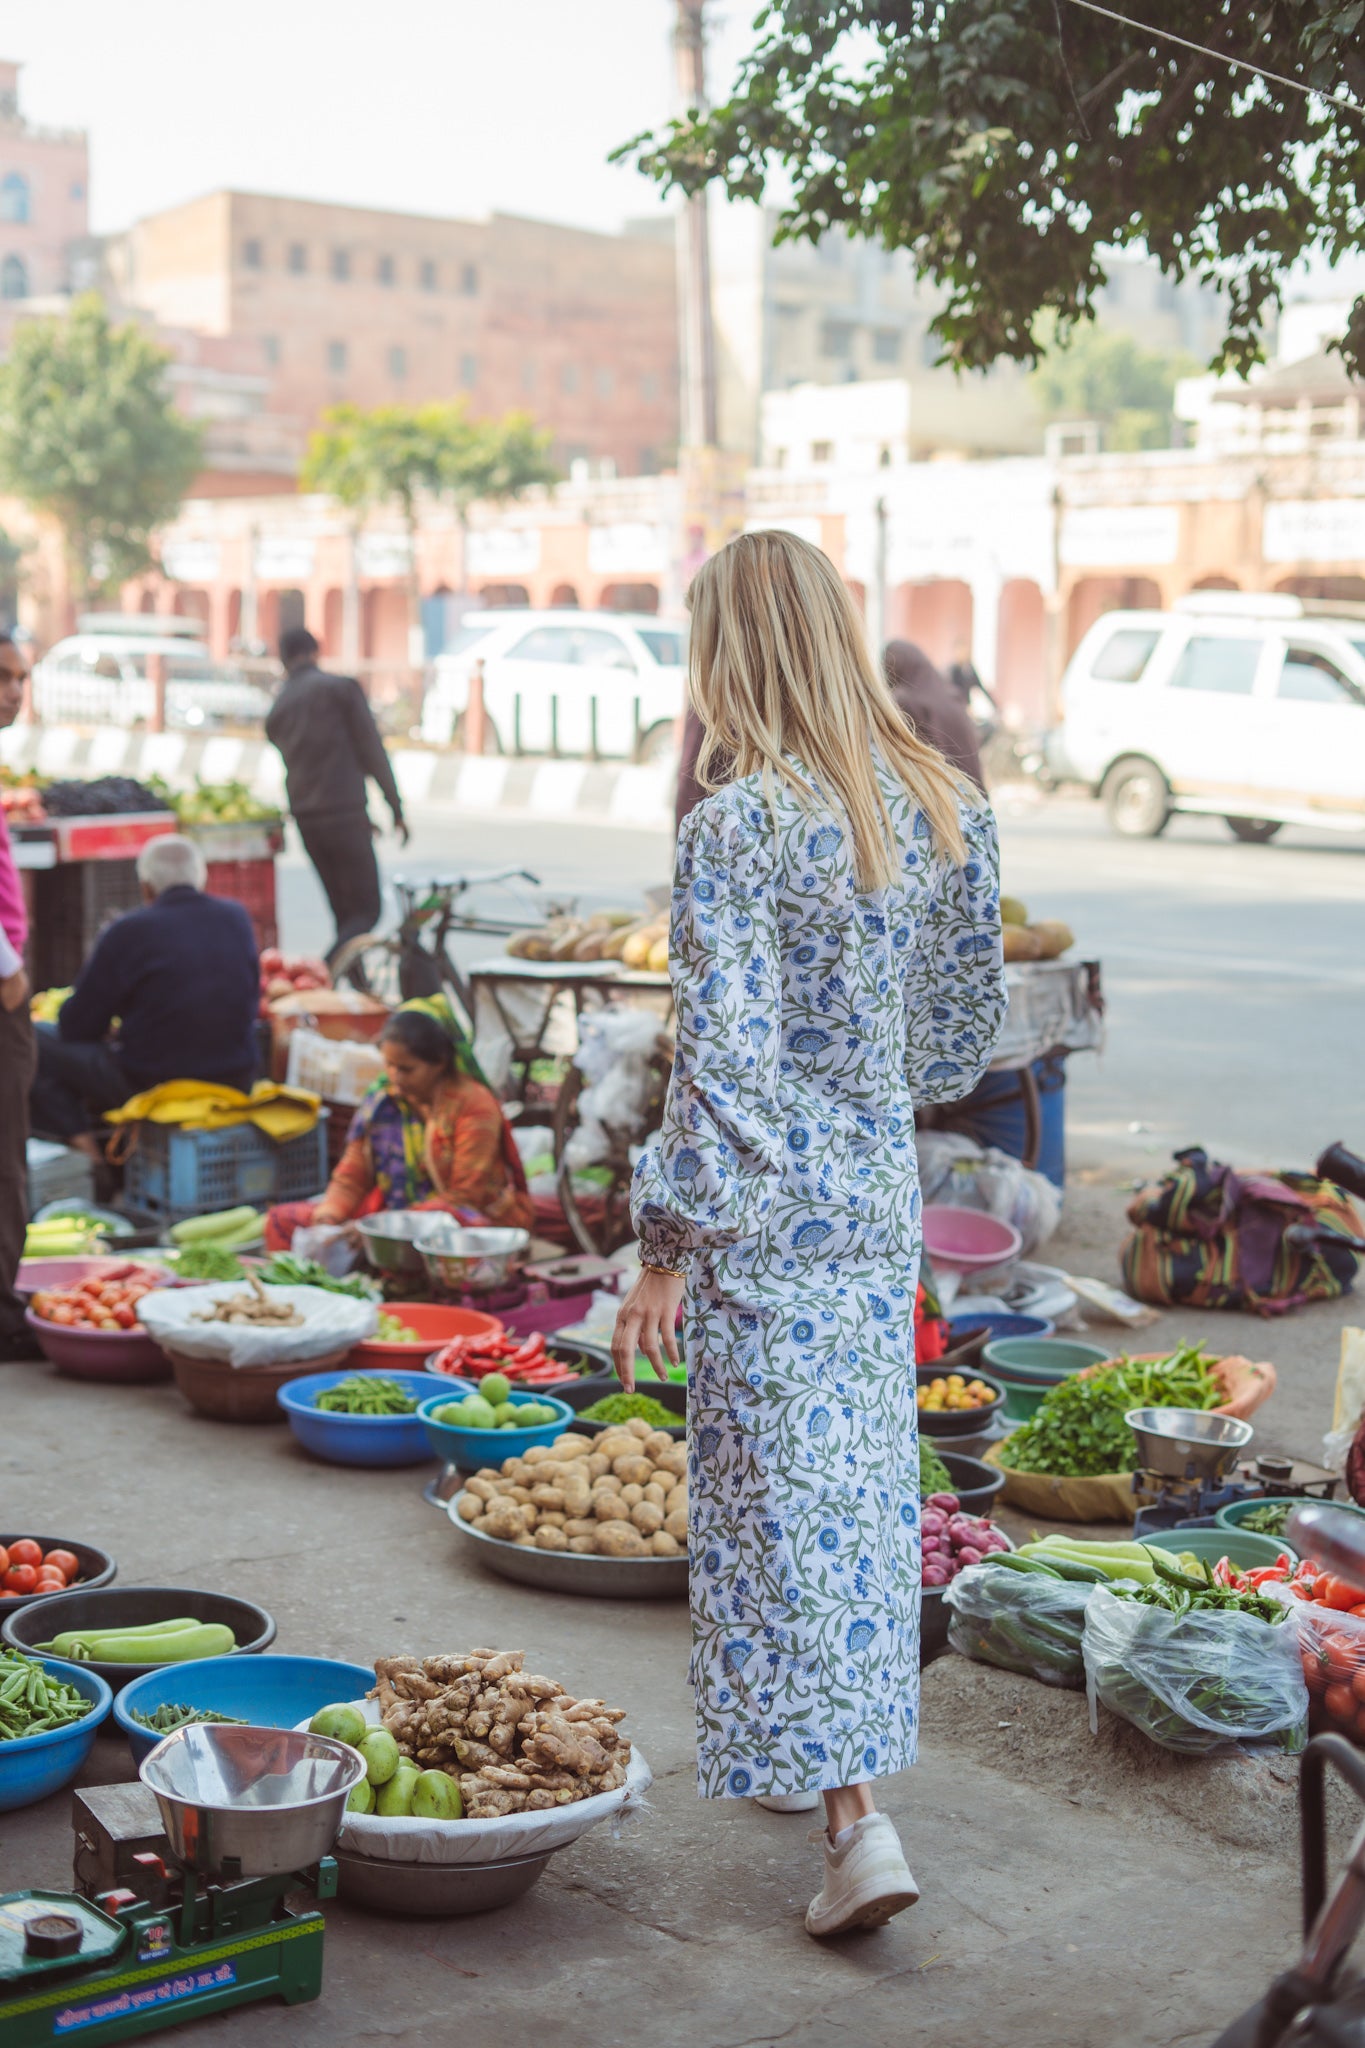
{"x": 187, "y": 1890}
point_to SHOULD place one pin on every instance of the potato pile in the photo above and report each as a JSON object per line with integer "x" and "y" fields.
{"x": 514, "y": 1743}
{"x": 620, "y": 1494}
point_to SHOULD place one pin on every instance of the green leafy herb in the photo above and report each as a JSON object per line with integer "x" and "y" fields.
{"x": 1079, "y": 1430}
{"x": 934, "y": 1476}
{"x": 208, "y": 1262}
{"x": 284, "y": 1270}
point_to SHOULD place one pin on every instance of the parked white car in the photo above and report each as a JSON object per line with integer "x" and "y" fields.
{"x": 1248, "y": 707}
{"x": 103, "y": 679}
{"x": 567, "y": 681}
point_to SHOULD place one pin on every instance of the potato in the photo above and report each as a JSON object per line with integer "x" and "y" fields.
{"x": 620, "y": 1539}
{"x": 550, "y": 1519}
{"x": 548, "y": 1497}
{"x": 609, "y": 1507}
{"x": 639, "y": 1427}
{"x": 661, "y": 1544}
{"x": 520, "y": 1494}
{"x": 541, "y": 1454}
{"x": 526, "y": 1541}
{"x": 580, "y": 1525}
{"x": 530, "y": 1516}
{"x": 551, "y": 1539}
{"x": 596, "y": 1465}
{"x": 633, "y": 1471}
{"x": 577, "y": 1500}
{"x": 676, "y": 1524}
{"x": 480, "y": 1484}
{"x": 571, "y": 1446}
{"x": 481, "y": 1525}
{"x": 656, "y": 1493}
{"x": 504, "y": 1519}
{"x": 632, "y": 1495}
{"x": 674, "y": 1460}
{"x": 657, "y": 1442}
{"x": 469, "y": 1507}
{"x": 608, "y": 1483}
{"x": 647, "y": 1517}
{"x": 583, "y": 1546}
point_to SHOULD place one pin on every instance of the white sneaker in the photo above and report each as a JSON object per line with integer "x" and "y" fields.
{"x": 867, "y": 1879}
{"x": 788, "y": 1802}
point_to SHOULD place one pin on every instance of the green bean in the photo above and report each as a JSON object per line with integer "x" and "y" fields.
{"x": 34, "y": 1701}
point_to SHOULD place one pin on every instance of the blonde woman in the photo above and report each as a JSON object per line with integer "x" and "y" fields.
{"x": 836, "y": 958}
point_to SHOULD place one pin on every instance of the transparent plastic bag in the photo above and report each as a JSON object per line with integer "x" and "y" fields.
{"x": 954, "y": 1168}
{"x": 1194, "y": 1682}
{"x": 1020, "y": 1621}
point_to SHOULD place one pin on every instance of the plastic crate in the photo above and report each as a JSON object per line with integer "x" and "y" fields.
{"x": 172, "y": 1173}
{"x": 252, "y": 884}
{"x": 72, "y": 903}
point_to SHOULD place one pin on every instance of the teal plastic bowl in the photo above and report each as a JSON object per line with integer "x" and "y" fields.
{"x": 1242, "y": 1547}
{"x": 472, "y": 1449}
{"x": 1040, "y": 1361}
{"x": 1022, "y": 1399}
{"x": 1236, "y": 1511}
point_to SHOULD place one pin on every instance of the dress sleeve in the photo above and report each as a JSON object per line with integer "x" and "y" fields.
{"x": 955, "y": 996}
{"x": 716, "y": 1164}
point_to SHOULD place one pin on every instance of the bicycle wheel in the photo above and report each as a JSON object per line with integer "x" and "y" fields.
{"x": 599, "y": 1215}
{"x": 373, "y": 967}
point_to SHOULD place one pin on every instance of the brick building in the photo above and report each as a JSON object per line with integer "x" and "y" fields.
{"x": 44, "y": 204}
{"x": 346, "y": 303}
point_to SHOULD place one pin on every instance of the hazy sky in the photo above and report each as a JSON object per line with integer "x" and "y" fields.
{"x": 438, "y": 106}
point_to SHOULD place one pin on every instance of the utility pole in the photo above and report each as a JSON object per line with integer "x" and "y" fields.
{"x": 699, "y": 424}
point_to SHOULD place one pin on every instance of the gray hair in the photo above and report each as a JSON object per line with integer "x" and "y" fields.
{"x": 171, "y": 862}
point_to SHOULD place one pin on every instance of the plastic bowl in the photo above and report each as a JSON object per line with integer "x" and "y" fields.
{"x": 1236, "y": 1511}
{"x": 32, "y": 1766}
{"x": 585, "y": 1363}
{"x": 116, "y": 1356}
{"x": 950, "y": 1422}
{"x": 967, "y": 1240}
{"x": 97, "y": 1567}
{"x": 1241, "y": 1547}
{"x": 364, "y": 1439}
{"x": 472, "y": 1449}
{"x": 242, "y": 1393}
{"x": 962, "y": 1329}
{"x": 1040, "y": 1361}
{"x": 269, "y": 1692}
{"x": 670, "y": 1394}
{"x": 435, "y": 1324}
{"x": 125, "y": 1607}
{"x": 35, "y": 1274}
{"x": 976, "y": 1484}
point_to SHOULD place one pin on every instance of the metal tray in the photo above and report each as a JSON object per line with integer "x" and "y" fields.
{"x": 564, "y": 1571}
{"x": 434, "y": 1890}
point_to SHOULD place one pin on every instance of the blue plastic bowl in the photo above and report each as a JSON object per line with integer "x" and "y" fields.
{"x": 994, "y": 1326}
{"x": 271, "y": 1692}
{"x": 31, "y": 1766}
{"x": 363, "y": 1439}
{"x": 472, "y": 1449}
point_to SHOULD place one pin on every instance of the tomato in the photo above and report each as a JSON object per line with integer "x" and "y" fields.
{"x": 4, "y": 1560}
{"x": 1315, "y": 1678}
{"x": 64, "y": 1561}
{"x": 49, "y": 1582}
{"x": 126, "y": 1317}
{"x": 20, "y": 1578}
{"x": 26, "y": 1551}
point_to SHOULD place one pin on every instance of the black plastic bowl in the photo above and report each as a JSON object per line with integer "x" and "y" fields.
{"x": 976, "y": 1484}
{"x": 943, "y": 1422}
{"x": 126, "y": 1606}
{"x": 668, "y": 1393}
{"x": 97, "y": 1567}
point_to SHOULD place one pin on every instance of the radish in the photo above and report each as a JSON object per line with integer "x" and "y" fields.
{"x": 936, "y": 1575}
{"x": 932, "y": 1523}
{"x": 946, "y": 1503}
{"x": 968, "y": 1556}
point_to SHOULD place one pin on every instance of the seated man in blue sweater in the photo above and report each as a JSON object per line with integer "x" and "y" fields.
{"x": 182, "y": 978}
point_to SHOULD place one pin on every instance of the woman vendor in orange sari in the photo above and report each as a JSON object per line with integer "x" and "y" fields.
{"x": 429, "y": 1135}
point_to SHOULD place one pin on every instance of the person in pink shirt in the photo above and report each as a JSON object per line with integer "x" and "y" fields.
{"x": 16, "y": 1047}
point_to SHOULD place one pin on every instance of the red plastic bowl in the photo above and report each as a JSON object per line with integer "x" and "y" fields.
{"x": 965, "y": 1240}
{"x": 114, "y": 1355}
{"x": 435, "y": 1325}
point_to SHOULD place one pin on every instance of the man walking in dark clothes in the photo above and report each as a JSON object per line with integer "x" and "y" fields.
{"x": 325, "y": 731}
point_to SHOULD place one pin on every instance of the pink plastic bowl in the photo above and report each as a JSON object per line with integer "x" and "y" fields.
{"x": 36, "y": 1274}
{"x": 129, "y": 1357}
{"x": 964, "y": 1240}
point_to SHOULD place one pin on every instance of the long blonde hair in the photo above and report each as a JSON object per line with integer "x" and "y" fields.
{"x": 779, "y": 666}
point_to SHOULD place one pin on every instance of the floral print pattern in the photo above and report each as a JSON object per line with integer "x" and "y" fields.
{"x": 811, "y": 1017}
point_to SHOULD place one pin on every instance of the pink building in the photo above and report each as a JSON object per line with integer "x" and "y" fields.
{"x": 44, "y": 204}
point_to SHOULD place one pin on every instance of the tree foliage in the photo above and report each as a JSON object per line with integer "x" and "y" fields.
{"x": 1106, "y": 376}
{"x": 1009, "y": 143}
{"x": 398, "y": 454}
{"x": 89, "y": 434}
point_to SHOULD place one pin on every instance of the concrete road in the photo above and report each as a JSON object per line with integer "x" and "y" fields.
{"x": 1234, "y": 973}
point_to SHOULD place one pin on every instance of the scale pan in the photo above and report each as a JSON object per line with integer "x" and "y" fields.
{"x": 262, "y": 1800}
{"x": 1187, "y": 1443}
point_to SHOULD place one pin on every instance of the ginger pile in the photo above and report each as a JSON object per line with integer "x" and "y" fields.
{"x": 514, "y": 1743}
{"x": 620, "y": 1494}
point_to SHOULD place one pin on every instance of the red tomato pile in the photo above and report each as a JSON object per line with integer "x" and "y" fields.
{"x": 281, "y": 977}
{"x": 1332, "y": 1642}
{"x": 25, "y": 1568}
{"x": 524, "y": 1360}
{"x": 106, "y": 1301}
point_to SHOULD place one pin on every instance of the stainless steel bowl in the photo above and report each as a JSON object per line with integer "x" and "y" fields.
{"x": 391, "y": 1238}
{"x": 269, "y": 1798}
{"x": 433, "y": 1890}
{"x": 472, "y": 1261}
{"x": 565, "y": 1571}
{"x": 1187, "y": 1443}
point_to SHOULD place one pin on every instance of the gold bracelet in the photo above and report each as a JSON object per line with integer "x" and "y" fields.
{"x": 671, "y": 1272}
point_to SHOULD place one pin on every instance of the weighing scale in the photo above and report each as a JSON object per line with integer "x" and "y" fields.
{"x": 182, "y": 1903}
{"x": 1189, "y": 1459}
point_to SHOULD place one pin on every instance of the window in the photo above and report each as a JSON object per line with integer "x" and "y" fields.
{"x": 1124, "y": 656}
{"x": 1225, "y": 666}
{"x": 568, "y": 377}
{"x": 426, "y": 276}
{"x": 384, "y": 270}
{"x": 13, "y": 278}
{"x": 601, "y": 650}
{"x": 822, "y": 451}
{"x": 297, "y": 259}
{"x": 466, "y": 636}
{"x": 336, "y": 357}
{"x": 1309, "y": 677}
{"x": 666, "y": 648}
{"x": 886, "y": 344}
{"x": 604, "y": 381}
{"x": 270, "y": 348}
{"x": 469, "y": 371}
{"x": 836, "y": 337}
{"x": 547, "y": 643}
{"x": 398, "y": 362}
{"x": 341, "y": 264}
{"x": 15, "y": 201}
{"x": 649, "y": 386}
{"x": 469, "y": 279}
{"x": 253, "y": 257}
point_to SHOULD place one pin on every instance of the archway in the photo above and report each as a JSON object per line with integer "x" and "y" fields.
{"x": 565, "y": 596}
{"x": 332, "y": 602}
{"x": 1344, "y": 589}
{"x": 1216, "y": 583}
{"x": 937, "y": 616}
{"x": 515, "y": 594}
{"x": 147, "y": 601}
{"x": 191, "y": 604}
{"x": 628, "y": 597}
{"x": 1093, "y": 596}
{"x": 1021, "y": 655}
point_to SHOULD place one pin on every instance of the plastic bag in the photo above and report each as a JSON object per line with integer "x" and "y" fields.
{"x": 1332, "y": 1649}
{"x": 1020, "y": 1621}
{"x": 614, "y": 1057}
{"x": 331, "y": 1323}
{"x": 1193, "y": 1682}
{"x": 327, "y": 1245}
{"x": 954, "y": 1168}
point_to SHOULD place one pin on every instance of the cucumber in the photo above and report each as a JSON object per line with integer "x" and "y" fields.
{"x": 199, "y": 1229}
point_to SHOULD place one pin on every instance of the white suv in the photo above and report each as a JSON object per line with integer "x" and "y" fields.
{"x": 1249, "y": 707}
{"x": 567, "y": 682}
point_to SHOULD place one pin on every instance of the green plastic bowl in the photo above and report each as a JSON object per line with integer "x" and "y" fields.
{"x": 1022, "y": 1399}
{"x": 1040, "y": 1361}
{"x": 1236, "y": 1511}
{"x": 1241, "y": 1547}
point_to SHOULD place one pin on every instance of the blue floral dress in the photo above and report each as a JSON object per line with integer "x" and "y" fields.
{"x": 810, "y": 1018}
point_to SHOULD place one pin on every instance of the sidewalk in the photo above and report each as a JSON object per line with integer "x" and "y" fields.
{"x": 602, "y": 793}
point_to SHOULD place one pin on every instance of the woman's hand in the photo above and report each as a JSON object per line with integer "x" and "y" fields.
{"x": 647, "y": 1321}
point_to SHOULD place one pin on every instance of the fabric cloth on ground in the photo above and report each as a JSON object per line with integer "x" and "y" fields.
{"x": 811, "y": 1016}
{"x": 74, "y": 1085}
{"x": 16, "y": 1072}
